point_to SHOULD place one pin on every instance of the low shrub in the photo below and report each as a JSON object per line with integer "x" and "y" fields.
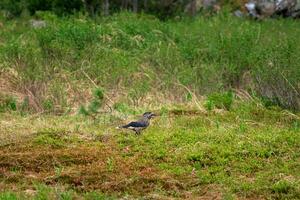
{"x": 220, "y": 100}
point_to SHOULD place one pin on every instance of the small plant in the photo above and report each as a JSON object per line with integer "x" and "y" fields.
{"x": 209, "y": 105}
{"x": 92, "y": 109}
{"x": 65, "y": 195}
{"x": 282, "y": 187}
{"x": 43, "y": 192}
{"x": 48, "y": 105}
{"x": 11, "y": 103}
{"x": 189, "y": 96}
{"x": 58, "y": 171}
{"x": 49, "y": 138}
{"x": 296, "y": 125}
{"x": 271, "y": 103}
{"x": 110, "y": 164}
{"x": 8, "y": 103}
{"x": 83, "y": 111}
{"x": 242, "y": 128}
{"x": 220, "y": 101}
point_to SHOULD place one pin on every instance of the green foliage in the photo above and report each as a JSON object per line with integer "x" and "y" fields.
{"x": 142, "y": 55}
{"x": 8, "y": 103}
{"x": 282, "y": 187}
{"x": 209, "y": 105}
{"x": 164, "y": 111}
{"x": 296, "y": 125}
{"x": 14, "y": 7}
{"x": 220, "y": 100}
{"x": 98, "y": 94}
{"x": 98, "y": 196}
{"x": 48, "y": 105}
{"x": 66, "y": 195}
{"x": 50, "y": 138}
{"x": 97, "y": 101}
{"x": 82, "y": 110}
{"x": 8, "y": 196}
{"x": 138, "y": 91}
{"x": 60, "y": 7}
{"x": 43, "y": 192}
{"x": 92, "y": 7}
{"x": 123, "y": 108}
{"x": 189, "y": 96}
{"x": 66, "y": 38}
{"x": 11, "y": 103}
{"x": 94, "y": 105}
{"x": 110, "y": 164}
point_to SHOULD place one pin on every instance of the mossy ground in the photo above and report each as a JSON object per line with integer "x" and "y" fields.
{"x": 248, "y": 152}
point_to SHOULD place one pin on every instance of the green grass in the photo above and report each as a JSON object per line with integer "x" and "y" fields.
{"x": 220, "y": 85}
{"x": 57, "y": 66}
{"x": 247, "y": 152}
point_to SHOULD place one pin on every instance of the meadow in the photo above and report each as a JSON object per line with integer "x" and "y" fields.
{"x": 54, "y": 69}
{"x": 246, "y": 153}
{"x": 226, "y": 91}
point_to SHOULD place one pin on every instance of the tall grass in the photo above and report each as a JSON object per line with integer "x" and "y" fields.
{"x": 138, "y": 54}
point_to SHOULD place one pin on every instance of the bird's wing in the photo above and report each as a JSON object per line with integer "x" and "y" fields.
{"x": 135, "y": 124}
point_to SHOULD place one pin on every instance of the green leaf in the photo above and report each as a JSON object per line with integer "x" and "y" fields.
{"x": 83, "y": 111}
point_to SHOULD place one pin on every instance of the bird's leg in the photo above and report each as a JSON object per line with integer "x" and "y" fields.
{"x": 137, "y": 131}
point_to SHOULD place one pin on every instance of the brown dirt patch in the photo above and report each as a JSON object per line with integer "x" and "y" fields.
{"x": 85, "y": 168}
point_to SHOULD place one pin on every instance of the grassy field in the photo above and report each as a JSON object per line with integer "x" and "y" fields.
{"x": 247, "y": 153}
{"x": 53, "y": 69}
{"x": 226, "y": 91}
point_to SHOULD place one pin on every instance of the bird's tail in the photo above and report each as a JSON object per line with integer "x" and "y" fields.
{"x": 119, "y": 127}
{"x": 125, "y": 126}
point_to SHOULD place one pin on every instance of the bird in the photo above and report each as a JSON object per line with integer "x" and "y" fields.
{"x": 140, "y": 124}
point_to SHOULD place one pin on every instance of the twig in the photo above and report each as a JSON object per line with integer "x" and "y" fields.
{"x": 94, "y": 84}
{"x": 289, "y": 83}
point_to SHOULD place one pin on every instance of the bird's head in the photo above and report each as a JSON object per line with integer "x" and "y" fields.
{"x": 149, "y": 115}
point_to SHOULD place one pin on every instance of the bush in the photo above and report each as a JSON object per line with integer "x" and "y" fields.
{"x": 14, "y": 7}
{"x": 94, "y": 105}
{"x": 220, "y": 100}
{"x": 92, "y": 7}
{"x": 60, "y": 7}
